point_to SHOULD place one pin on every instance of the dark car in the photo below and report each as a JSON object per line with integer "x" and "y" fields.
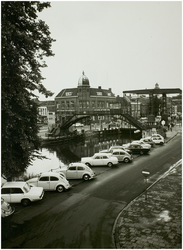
{"x": 138, "y": 149}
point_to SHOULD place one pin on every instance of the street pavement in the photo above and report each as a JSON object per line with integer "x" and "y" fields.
{"x": 154, "y": 219}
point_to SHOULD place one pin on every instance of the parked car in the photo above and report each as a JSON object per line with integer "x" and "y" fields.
{"x": 21, "y": 192}
{"x": 115, "y": 147}
{"x": 156, "y": 135}
{"x": 122, "y": 155}
{"x": 6, "y": 209}
{"x": 77, "y": 170}
{"x": 100, "y": 159}
{"x": 138, "y": 149}
{"x": 158, "y": 140}
{"x": 142, "y": 143}
{"x": 50, "y": 181}
{"x": 148, "y": 140}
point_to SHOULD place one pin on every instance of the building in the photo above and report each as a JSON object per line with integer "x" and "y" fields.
{"x": 46, "y": 110}
{"x": 84, "y": 100}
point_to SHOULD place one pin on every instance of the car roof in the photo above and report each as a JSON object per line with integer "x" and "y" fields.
{"x": 101, "y": 154}
{"x": 14, "y": 184}
{"x": 77, "y": 164}
{"x": 119, "y": 150}
{"x": 50, "y": 173}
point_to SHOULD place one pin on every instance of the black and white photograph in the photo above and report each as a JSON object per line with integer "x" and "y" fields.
{"x": 91, "y": 124}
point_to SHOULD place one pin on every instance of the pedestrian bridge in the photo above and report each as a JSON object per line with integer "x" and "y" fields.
{"x": 60, "y": 129}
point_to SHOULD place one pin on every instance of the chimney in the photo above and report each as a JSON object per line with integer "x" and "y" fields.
{"x": 99, "y": 87}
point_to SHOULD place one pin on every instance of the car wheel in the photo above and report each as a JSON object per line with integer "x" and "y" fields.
{"x": 161, "y": 143}
{"x": 86, "y": 177}
{"x": 88, "y": 164}
{"x": 60, "y": 189}
{"x": 141, "y": 152}
{"x": 126, "y": 160}
{"x": 25, "y": 202}
{"x": 110, "y": 164}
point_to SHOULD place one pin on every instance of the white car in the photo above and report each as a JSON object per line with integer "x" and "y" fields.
{"x": 6, "y": 209}
{"x": 50, "y": 181}
{"x": 100, "y": 159}
{"x": 21, "y": 192}
{"x": 158, "y": 140}
{"x": 122, "y": 155}
{"x": 148, "y": 140}
{"x": 77, "y": 170}
{"x": 156, "y": 135}
{"x": 142, "y": 143}
{"x": 110, "y": 150}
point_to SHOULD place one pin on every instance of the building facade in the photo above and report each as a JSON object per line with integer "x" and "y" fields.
{"x": 84, "y": 100}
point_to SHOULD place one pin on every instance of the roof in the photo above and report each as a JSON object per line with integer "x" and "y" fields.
{"x": 118, "y": 150}
{"x": 93, "y": 92}
{"x": 46, "y": 103}
{"x": 50, "y": 173}
{"x": 77, "y": 164}
{"x": 101, "y": 154}
{"x": 83, "y": 80}
{"x": 14, "y": 184}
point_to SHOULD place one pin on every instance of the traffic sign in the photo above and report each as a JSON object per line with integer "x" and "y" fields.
{"x": 145, "y": 173}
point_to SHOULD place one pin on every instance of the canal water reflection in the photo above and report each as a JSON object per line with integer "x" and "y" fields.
{"x": 63, "y": 154}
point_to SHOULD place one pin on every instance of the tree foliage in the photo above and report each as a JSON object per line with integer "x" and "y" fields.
{"x": 25, "y": 41}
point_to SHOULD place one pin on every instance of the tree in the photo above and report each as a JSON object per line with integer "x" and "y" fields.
{"x": 25, "y": 41}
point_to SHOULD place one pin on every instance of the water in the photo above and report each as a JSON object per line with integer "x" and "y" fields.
{"x": 64, "y": 154}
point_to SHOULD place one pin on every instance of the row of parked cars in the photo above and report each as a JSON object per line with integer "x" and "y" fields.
{"x": 33, "y": 189}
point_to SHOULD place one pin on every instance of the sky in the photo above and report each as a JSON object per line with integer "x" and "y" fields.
{"x": 121, "y": 45}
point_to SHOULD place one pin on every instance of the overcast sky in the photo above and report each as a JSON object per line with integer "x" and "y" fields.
{"x": 119, "y": 45}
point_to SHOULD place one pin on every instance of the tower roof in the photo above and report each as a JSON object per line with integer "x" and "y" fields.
{"x": 83, "y": 80}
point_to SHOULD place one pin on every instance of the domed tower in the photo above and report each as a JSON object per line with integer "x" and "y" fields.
{"x": 83, "y": 80}
{"x": 83, "y": 92}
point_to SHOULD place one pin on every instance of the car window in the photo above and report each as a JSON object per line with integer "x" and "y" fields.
{"x": 105, "y": 157}
{"x": 16, "y": 191}
{"x": 72, "y": 168}
{"x": 97, "y": 157}
{"x": 44, "y": 178}
{"x": 5, "y": 191}
{"x": 26, "y": 187}
{"x": 115, "y": 153}
{"x": 122, "y": 153}
{"x": 54, "y": 178}
{"x": 81, "y": 168}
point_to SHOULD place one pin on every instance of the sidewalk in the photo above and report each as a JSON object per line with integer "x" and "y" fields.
{"x": 155, "y": 222}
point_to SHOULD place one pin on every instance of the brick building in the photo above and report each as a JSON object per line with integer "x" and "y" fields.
{"x": 84, "y": 100}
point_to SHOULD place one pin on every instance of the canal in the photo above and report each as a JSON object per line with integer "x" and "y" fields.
{"x": 65, "y": 153}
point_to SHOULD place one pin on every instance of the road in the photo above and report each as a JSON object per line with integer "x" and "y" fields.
{"x": 83, "y": 217}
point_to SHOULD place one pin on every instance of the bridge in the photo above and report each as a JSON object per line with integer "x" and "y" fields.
{"x": 60, "y": 129}
{"x": 155, "y": 91}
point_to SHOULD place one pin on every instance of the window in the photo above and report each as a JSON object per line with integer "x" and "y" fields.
{"x": 53, "y": 178}
{"x": 72, "y": 104}
{"x": 5, "y": 191}
{"x": 99, "y": 93}
{"x": 45, "y": 178}
{"x": 16, "y": 191}
{"x": 105, "y": 157}
{"x": 81, "y": 168}
{"x": 72, "y": 168}
{"x": 68, "y": 93}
